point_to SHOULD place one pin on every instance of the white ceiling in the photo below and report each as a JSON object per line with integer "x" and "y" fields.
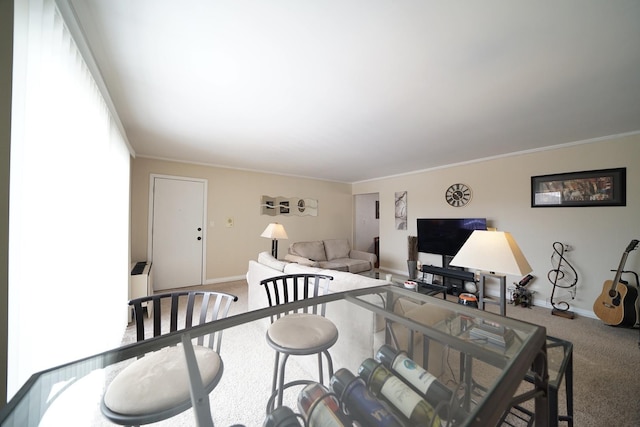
{"x": 350, "y": 90}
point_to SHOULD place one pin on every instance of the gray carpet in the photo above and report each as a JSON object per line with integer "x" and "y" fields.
{"x": 606, "y": 359}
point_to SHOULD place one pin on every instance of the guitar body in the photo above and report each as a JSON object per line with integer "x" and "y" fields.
{"x": 616, "y": 306}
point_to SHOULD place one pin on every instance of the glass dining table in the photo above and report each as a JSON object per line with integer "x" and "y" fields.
{"x": 484, "y": 359}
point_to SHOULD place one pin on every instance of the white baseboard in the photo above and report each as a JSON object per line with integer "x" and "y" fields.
{"x": 539, "y": 302}
{"x": 544, "y": 303}
{"x": 224, "y": 279}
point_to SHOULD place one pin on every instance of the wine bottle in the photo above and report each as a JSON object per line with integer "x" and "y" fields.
{"x": 385, "y": 385}
{"x": 359, "y": 403}
{"x": 321, "y": 408}
{"x": 282, "y": 417}
{"x": 434, "y": 392}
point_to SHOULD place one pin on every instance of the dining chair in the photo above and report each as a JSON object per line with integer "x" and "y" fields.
{"x": 156, "y": 386}
{"x": 301, "y": 332}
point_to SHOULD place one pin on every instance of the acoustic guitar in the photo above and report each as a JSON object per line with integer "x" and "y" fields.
{"x": 616, "y": 305}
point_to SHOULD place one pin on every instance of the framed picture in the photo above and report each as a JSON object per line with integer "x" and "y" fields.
{"x": 604, "y": 187}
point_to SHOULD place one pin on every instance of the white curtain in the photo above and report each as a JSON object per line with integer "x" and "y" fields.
{"x": 69, "y": 203}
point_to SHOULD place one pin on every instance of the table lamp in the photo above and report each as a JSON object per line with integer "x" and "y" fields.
{"x": 495, "y": 254}
{"x": 274, "y": 231}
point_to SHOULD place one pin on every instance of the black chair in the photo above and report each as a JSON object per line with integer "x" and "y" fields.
{"x": 298, "y": 332}
{"x": 156, "y": 386}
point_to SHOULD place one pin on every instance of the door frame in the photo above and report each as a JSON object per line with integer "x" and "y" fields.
{"x": 152, "y": 178}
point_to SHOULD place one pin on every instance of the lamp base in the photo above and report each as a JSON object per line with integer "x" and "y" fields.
{"x": 274, "y": 248}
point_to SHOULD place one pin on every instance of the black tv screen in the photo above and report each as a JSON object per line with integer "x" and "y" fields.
{"x": 445, "y": 236}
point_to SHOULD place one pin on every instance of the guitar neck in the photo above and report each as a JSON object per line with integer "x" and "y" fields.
{"x": 623, "y": 261}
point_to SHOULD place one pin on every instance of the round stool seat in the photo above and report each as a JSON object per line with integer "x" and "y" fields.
{"x": 159, "y": 382}
{"x": 302, "y": 332}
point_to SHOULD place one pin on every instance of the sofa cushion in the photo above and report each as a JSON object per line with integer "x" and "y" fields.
{"x": 336, "y": 248}
{"x": 343, "y": 281}
{"x": 312, "y": 250}
{"x": 347, "y": 264}
{"x": 301, "y": 269}
{"x": 301, "y": 260}
{"x": 267, "y": 259}
{"x": 337, "y": 265}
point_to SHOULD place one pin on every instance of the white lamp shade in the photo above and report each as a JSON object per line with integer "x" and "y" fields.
{"x": 493, "y": 251}
{"x": 274, "y": 231}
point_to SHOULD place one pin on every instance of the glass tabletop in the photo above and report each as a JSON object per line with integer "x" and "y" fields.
{"x": 465, "y": 348}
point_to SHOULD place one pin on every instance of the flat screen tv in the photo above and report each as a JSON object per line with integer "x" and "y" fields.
{"x": 445, "y": 236}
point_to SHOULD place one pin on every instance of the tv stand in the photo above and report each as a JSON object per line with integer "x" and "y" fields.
{"x": 448, "y": 273}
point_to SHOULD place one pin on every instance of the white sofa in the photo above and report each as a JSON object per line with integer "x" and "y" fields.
{"x": 361, "y": 331}
{"x": 357, "y": 328}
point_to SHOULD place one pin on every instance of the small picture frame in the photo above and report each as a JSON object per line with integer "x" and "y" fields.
{"x": 604, "y": 187}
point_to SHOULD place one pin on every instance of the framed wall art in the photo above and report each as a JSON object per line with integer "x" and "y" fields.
{"x": 604, "y": 187}
{"x": 273, "y": 206}
{"x": 401, "y": 210}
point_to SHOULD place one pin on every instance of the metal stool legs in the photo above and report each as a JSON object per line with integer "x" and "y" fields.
{"x": 279, "y": 386}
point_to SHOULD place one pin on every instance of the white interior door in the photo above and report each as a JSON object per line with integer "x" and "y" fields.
{"x": 177, "y": 234}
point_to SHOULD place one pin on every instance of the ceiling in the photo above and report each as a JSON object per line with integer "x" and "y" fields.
{"x": 352, "y": 90}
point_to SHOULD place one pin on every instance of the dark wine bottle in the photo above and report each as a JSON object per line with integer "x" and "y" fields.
{"x": 385, "y": 385}
{"x": 282, "y": 417}
{"x": 434, "y": 392}
{"x": 359, "y": 403}
{"x": 321, "y": 408}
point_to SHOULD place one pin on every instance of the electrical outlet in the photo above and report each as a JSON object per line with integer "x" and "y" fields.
{"x": 229, "y": 222}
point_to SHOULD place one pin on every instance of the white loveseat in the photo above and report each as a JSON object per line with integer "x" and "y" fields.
{"x": 357, "y": 328}
{"x": 332, "y": 254}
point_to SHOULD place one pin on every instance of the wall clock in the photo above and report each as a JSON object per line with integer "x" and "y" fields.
{"x": 458, "y": 195}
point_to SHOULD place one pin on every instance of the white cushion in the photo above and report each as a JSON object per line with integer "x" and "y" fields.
{"x": 267, "y": 259}
{"x": 302, "y": 330}
{"x": 158, "y": 381}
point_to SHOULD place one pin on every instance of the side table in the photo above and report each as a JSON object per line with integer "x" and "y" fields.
{"x": 560, "y": 365}
{"x": 482, "y": 299}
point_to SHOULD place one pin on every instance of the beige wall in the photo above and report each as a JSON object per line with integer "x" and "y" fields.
{"x": 501, "y": 193}
{"x": 236, "y": 194}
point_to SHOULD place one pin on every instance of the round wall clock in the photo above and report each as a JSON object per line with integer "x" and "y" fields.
{"x": 458, "y": 195}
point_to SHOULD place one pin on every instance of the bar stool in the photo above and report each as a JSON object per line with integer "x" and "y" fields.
{"x": 297, "y": 332}
{"x": 157, "y": 387}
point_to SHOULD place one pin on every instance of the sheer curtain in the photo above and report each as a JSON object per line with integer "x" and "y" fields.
{"x": 69, "y": 203}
